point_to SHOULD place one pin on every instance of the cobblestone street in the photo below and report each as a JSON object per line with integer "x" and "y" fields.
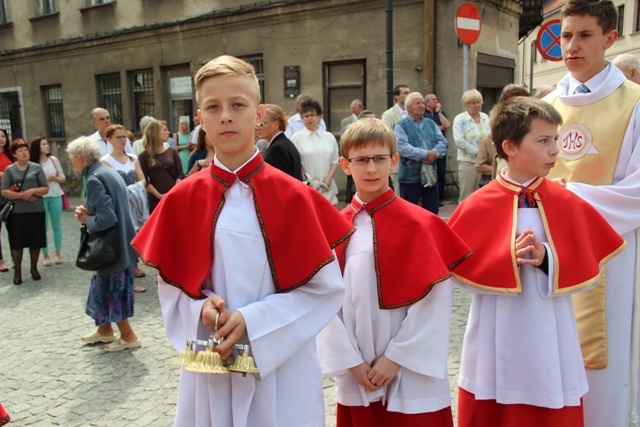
{"x": 48, "y": 377}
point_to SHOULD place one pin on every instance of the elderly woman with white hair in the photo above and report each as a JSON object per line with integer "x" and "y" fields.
{"x": 106, "y": 205}
{"x": 469, "y": 128}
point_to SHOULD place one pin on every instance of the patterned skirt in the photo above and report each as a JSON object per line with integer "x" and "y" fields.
{"x": 111, "y": 297}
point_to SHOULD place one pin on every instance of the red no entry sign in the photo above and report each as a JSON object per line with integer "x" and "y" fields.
{"x": 468, "y": 23}
{"x": 548, "y": 40}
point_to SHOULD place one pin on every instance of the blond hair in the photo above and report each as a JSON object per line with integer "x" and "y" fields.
{"x": 364, "y": 132}
{"x": 226, "y": 65}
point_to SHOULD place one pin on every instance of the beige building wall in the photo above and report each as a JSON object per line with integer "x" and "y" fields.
{"x": 173, "y": 38}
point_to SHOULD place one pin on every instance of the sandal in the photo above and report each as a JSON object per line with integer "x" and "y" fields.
{"x": 137, "y": 288}
{"x": 120, "y": 344}
{"x": 47, "y": 262}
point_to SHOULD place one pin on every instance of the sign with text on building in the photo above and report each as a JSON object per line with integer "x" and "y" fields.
{"x": 548, "y": 40}
{"x": 468, "y": 23}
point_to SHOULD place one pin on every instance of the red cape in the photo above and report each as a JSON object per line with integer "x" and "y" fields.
{"x": 580, "y": 239}
{"x": 300, "y": 227}
{"x": 414, "y": 249}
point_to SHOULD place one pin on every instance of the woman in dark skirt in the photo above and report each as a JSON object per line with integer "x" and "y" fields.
{"x": 106, "y": 205}
{"x": 24, "y": 182}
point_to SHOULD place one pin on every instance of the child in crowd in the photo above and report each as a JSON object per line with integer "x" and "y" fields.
{"x": 259, "y": 256}
{"x": 388, "y": 346}
{"x": 534, "y": 243}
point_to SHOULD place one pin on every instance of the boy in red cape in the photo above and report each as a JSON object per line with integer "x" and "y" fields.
{"x": 247, "y": 242}
{"x": 388, "y": 346}
{"x": 535, "y": 243}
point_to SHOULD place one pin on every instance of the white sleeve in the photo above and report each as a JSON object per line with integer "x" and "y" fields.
{"x": 422, "y": 342}
{"x": 281, "y": 324}
{"x": 336, "y": 352}
{"x": 181, "y": 315}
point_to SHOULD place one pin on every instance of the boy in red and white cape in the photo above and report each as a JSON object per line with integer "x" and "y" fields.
{"x": 535, "y": 243}
{"x": 259, "y": 253}
{"x": 389, "y": 344}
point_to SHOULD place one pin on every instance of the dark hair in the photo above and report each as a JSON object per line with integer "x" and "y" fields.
{"x": 18, "y": 143}
{"x": 201, "y": 140}
{"x": 510, "y": 91}
{"x": 7, "y": 145}
{"x": 34, "y": 149}
{"x": 309, "y": 106}
{"x": 398, "y": 89}
{"x": 604, "y": 11}
{"x": 511, "y": 120}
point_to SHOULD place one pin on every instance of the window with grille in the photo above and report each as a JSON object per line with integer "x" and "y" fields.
{"x": 621, "y": 20}
{"x": 143, "y": 96}
{"x": 637, "y": 16}
{"x": 98, "y": 2}
{"x": 4, "y": 15}
{"x": 258, "y": 63}
{"x": 111, "y": 96}
{"x": 54, "y": 111}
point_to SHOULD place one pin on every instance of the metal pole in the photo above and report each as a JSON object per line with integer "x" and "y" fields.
{"x": 389, "y": 27}
{"x": 465, "y": 67}
{"x": 532, "y": 55}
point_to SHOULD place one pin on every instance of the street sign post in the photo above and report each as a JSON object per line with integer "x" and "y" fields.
{"x": 468, "y": 25}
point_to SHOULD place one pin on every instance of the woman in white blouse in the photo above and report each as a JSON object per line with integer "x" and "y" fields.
{"x": 125, "y": 164}
{"x": 468, "y": 130}
{"x": 40, "y": 152}
{"x": 318, "y": 151}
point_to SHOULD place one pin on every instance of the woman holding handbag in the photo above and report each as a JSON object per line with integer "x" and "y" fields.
{"x": 24, "y": 184}
{"x": 106, "y": 207}
{"x": 6, "y": 159}
{"x": 40, "y": 152}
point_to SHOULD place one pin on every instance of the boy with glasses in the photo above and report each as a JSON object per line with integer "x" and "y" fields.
{"x": 388, "y": 346}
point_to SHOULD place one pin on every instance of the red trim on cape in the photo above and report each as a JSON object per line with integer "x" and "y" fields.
{"x": 300, "y": 227}
{"x": 580, "y": 239}
{"x": 414, "y": 250}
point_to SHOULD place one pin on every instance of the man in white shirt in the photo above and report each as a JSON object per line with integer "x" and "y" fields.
{"x": 101, "y": 120}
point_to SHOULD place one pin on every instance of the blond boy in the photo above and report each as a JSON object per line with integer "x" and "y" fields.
{"x": 259, "y": 255}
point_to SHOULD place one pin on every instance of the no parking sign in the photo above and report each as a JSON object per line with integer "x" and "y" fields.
{"x": 548, "y": 41}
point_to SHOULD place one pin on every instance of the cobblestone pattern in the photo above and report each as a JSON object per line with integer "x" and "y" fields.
{"x": 48, "y": 377}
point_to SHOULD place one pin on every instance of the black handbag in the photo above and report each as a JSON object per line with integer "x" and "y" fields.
{"x": 5, "y": 213}
{"x": 7, "y": 210}
{"x": 98, "y": 250}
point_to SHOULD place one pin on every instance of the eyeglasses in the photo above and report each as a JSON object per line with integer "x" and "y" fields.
{"x": 363, "y": 162}
{"x": 266, "y": 123}
{"x": 309, "y": 116}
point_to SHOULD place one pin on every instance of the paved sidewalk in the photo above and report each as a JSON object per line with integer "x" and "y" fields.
{"x": 48, "y": 377}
